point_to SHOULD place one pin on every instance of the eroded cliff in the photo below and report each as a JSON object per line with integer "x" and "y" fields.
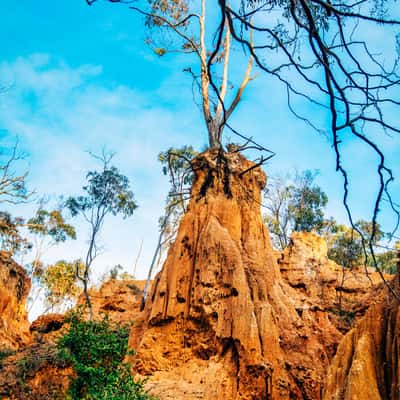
{"x": 14, "y": 290}
{"x": 366, "y": 366}
{"x": 220, "y": 322}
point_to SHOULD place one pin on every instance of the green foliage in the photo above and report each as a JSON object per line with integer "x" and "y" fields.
{"x": 387, "y": 260}
{"x": 51, "y": 224}
{"x": 61, "y": 283}
{"x": 107, "y": 191}
{"x": 294, "y": 205}
{"x": 5, "y": 353}
{"x": 117, "y": 272}
{"x": 345, "y": 244}
{"x": 306, "y": 204}
{"x": 176, "y": 164}
{"x": 10, "y": 238}
{"x": 173, "y": 10}
{"x": 96, "y": 350}
{"x": 126, "y": 276}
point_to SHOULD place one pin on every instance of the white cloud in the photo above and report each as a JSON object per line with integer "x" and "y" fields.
{"x": 59, "y": 112}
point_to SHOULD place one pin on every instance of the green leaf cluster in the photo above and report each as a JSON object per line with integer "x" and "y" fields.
{"x": 52, "y": 224}
{"x": 345, "y": 244}
{"x": 10, "y": 238}
{"x": 96, "y": 350}
{"x": 61, "y": 283}
{"x": 307, "y": 203}
{"x": 294, "y": 205}
{"x": 106, "y": 192}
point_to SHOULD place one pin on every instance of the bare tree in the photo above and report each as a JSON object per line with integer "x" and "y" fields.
{"x": 13, "y": 188}
{"x": 278, "y": 219}
{"x": 189, "y": 26}
{"x": 321, "y": 53}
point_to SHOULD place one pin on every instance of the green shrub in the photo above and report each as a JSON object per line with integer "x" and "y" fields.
{"x": 96, "y": 350}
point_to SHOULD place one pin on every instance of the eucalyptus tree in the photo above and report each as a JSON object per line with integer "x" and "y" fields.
{"x": 294, "y": 204}
{"x": 176, "y": 164}
{"x": 47, "y": 228}
{"x": 107, "y": 192}
{"x": 323, "y": 53}
{"x": 11, "y": 239}
{"x": 183, "y": 26}
{"x": 61, "y": 285}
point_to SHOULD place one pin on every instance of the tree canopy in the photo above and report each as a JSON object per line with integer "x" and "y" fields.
{"x": 107, "y": 192}
{"x": 294, "y": 204}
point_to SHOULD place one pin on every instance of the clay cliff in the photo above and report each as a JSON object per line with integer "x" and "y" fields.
{"x": 120, "y": 299}
{"x": 14, "y": 290}
{"x": 366, "y": 366}
{"x": 221, "y": 322}
{"x": 322, "y": 284}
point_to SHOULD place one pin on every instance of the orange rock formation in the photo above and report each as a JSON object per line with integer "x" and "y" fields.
{"x": 220, "y": 322}
{"x": 227, "y": 318}
{"x": 14, "y": 289}
{"x": 321, "y": 284}
{"x": 366, "y": 366}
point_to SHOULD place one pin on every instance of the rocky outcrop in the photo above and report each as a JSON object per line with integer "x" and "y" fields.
{"x": 366, "y": 366}
{"x": 220, "y": 322}
{"x": 119, "y": 299}
{"x": 14, "y": 289}
{"x": 320, "y": 283}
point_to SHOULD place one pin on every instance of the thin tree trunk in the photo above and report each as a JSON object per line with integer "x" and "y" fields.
{"x": 153, "y": 261}
{"x": 87, "y": 298}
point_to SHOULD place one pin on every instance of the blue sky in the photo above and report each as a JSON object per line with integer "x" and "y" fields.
{"x": 80, "y": 78}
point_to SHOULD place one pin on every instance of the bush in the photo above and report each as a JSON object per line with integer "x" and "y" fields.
{"x": 96, "y": 350}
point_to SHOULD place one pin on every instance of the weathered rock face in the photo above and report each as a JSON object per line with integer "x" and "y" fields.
{"x": 220, "y": 322}
{"x": 14, "y": 289}
{"x": 366, "y": 366}
{"x": 322, "y": 284}
{"x": 120, "y": 299}
{"x": 34, "y": 373}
